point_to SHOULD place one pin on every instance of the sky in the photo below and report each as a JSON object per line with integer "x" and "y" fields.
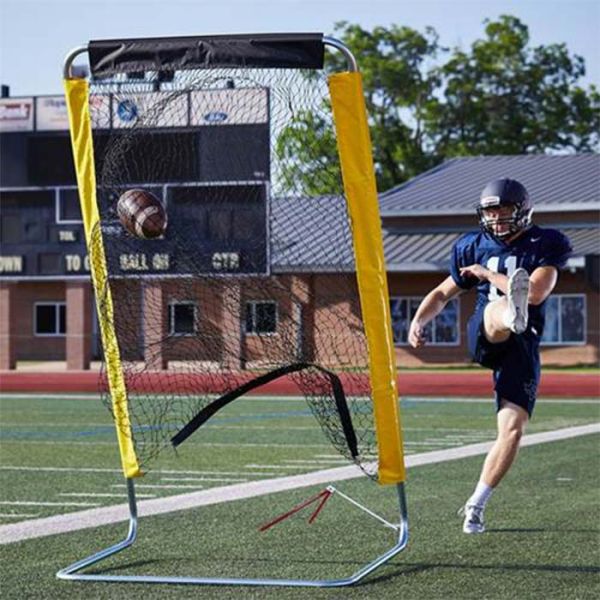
{"x": 35, "y": 35}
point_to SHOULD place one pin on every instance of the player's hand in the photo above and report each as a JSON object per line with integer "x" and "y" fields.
{"x": 416, "y": 335}
{"x": 477, "y": 271}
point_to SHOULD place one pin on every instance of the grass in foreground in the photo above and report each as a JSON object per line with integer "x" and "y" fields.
{"x": 542, "y": 540}
{"x": 543, "y": 521}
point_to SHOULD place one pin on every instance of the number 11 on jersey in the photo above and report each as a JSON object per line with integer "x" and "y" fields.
{"x": 493, "y": 262}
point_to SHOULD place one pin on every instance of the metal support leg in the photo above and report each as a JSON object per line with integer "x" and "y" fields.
{"x": 72, "y": 572}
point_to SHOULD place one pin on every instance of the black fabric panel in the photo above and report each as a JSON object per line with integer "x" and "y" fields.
{"x": 336, "y": 385}
{"x": 293, "y": 51}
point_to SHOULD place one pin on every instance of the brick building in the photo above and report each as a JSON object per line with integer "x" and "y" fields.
{"x": 47, "y": 310}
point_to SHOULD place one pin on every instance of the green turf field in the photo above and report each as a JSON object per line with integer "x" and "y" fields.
{"x": 59, "y": 455}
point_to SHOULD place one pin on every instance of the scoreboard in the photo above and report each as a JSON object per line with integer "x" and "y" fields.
{"x": 217, "y": 209}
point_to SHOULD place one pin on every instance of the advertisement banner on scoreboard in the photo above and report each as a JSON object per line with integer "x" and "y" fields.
{"x": 229, "y": 106}
{"x": 152, "y": 109}
{"x": 51, "y": 113}
{"x": 16, "y": 114}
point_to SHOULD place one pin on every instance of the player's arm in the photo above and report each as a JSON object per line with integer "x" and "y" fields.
{"x": 541, "y": 281}
{"x": 431, "y": 306}
{"x": 498, "y": 280}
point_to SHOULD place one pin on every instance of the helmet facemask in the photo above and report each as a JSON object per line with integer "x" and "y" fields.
{"x": 518, "y": 220}
{"x": 510, "y": 201}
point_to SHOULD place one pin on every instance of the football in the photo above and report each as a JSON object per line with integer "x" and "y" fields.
{"x": 142, "y": 214}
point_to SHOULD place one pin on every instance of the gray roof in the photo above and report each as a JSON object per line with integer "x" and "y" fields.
{"x": 312, "y": 234}
{"x": 557, "y": 182}
{"x": 431, "y": 251}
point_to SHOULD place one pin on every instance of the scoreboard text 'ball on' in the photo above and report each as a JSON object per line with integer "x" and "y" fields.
{"x": 142, "y": 214}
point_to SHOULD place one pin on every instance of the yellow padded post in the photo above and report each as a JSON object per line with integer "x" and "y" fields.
{"x": 77, "y": 97}
{"x": 354, "y": 147}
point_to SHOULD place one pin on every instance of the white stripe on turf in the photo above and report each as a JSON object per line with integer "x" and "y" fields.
{"x": 36, "y": 528}
{"x": 231, "y": 479}
{"x": 288, "y": 467}
{"x": 103, "y": 495}
{"x": 31, "y": 503}
{"x": 160, "y": 486}
{"x": 316, "y": 461}
{"x": 99, "y": 470}
{"x": 189, "y": 443}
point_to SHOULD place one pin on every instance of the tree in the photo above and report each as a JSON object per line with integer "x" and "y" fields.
{"x": 504, "y": 97}
{"x": 499, "y": 97}
{"x": 397, "y": 90}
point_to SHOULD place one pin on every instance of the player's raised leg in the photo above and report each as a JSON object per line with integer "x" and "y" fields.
{"x": 508, "y": 314}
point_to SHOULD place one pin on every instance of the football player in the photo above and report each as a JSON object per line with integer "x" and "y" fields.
{"x": 514, "y": 265}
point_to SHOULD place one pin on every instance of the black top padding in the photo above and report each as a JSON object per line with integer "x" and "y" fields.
{"x": 264, "y": 50}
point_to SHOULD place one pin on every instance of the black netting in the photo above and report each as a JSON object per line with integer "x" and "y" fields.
{"x": 255, "y": 270}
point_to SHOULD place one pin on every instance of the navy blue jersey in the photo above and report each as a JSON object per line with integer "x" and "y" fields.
{"x": 535, "y": 247}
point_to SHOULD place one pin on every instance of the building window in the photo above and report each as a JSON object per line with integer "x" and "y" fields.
{"x": 565, "y": 320}
{"x": 50, "y": 318}
{"x": 261, "y": 317}
{"x": 442, "y": 331}
{"x": 183, "y": 318}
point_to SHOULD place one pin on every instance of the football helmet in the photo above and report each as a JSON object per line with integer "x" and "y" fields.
{"x": 499, "y": 193}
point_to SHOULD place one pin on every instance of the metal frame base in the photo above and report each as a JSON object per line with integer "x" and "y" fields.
{"x": 73, "y": 572}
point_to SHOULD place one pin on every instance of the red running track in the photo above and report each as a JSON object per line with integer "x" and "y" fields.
{"x": 432, "y": 383}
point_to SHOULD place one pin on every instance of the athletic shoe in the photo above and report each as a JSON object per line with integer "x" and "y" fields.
{"x": 517, "y": 297}
{"x": 473, "y": 522}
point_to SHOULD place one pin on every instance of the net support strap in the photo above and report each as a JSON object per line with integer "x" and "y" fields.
{"x": 354, "y": 147}
{"x": 77, "y": 97}
{"x": 336, "y": 386}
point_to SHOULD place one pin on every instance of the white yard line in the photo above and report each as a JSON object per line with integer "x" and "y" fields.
{"x": 316, "y": 461}
{"x": 288, "y": 467}
{"x": 102, "y": 495}
{"x": 36, "y": 528}
{"x": 160, "y": 486}
{"x": 189, "y": 443}
{"x": 99, "y": 470}
{"x": 440, "y": 442}
{"x": 56, "y": 443}
{"x": 41, "y": 426}
{"x": 327, "y": 456}
{"x": 31, "y": 503}
{"x": 60, "y": 469}
{"x": 183, "y": 479}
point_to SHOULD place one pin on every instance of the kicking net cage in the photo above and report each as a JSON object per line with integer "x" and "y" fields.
{"x": 271, "y": 265}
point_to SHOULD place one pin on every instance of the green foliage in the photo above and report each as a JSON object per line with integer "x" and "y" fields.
{"x": 505, "y": 97}
{"x": 398, "y": 91}
{"x": 501, "y": 96}
{"x": 307, "y": 155}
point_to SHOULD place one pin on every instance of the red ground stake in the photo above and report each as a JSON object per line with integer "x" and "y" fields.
{"x": 324, "y": 495}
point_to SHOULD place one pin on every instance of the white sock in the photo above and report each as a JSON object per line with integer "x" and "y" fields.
{"x": 481, "y": 494}
{"x": 507, "y": 318}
